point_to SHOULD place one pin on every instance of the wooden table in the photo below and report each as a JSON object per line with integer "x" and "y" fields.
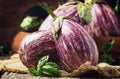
{"x": 8, "y": 75}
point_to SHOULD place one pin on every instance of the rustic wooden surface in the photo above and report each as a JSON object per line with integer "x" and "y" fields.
{"x": 12, "y": 68}
{"x": 8, "y": 75}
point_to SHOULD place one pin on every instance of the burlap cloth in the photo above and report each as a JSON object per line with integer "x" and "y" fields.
{"x": 13, "y": 64}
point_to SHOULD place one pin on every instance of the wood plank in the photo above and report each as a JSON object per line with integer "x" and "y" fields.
{"x": 8, "y": 75}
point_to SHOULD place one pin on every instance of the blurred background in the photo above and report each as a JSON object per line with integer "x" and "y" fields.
{"x": 11, "y": 14}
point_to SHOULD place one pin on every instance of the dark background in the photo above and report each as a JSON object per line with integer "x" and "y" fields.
{"x": 11, "y": 13}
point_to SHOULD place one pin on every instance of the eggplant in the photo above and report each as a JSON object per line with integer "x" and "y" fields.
{"x": 74, "y": 44}
{"x": 36, "y": 45}
{"x": 101, "y": 20}
{"x": 105, "y": 22}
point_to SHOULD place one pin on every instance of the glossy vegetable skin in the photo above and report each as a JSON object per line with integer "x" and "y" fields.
{"x": 74, "y": 45}
{"x": 105, "y": 21}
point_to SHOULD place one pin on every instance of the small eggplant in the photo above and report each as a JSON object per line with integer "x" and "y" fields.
{"x": 36, "y": 45}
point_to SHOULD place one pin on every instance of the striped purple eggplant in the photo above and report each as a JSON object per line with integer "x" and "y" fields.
{"x": 74, "y": 44}
{"x": 68, "y": 9}
{"x": 104, "y": 21}
{"x": 36, "y": 45}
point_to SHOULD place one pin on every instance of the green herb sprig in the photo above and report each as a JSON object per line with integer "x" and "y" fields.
{"x": 46, "y": 68}
{"x": 117, "y": 7}
{"x": 107, "y": 57}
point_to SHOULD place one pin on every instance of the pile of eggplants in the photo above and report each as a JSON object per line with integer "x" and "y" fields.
{"x": 96, "y": 16}
{"x": 68, "y": 38}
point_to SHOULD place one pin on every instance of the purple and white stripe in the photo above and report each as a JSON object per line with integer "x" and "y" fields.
{"x": 68, "y": 10}
{"x": 36, "y": 45}
{"x": 75, "y": 46}
{"x": 104, "y": 21}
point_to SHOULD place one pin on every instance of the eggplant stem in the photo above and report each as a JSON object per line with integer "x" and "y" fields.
{"x": 93, "y": 1}
{"x": 48, "y": 9}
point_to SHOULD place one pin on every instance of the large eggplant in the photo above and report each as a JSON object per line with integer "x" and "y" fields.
{"x": 101, "y": 20}
{"x": 36, "y": 45}
{"x": 74, "y": 44}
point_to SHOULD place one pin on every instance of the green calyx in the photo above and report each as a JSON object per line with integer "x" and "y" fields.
{"x": 93, "y": 1}
{"x": 84, "y": 10}
{"x": 56, "y": 26}
{"x": 30, "y": 23}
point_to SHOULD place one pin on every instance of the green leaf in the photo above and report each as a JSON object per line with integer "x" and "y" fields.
{"x": 46, "y": 68}
{"x": 42, "y": 62}
{"x": 53, "y": 64}
{"x": 50, "y": 71}
{"x": 117, "y": 7}
{"x": 108, "y": 45}
{"x": 107, "y": 57}
{"x": 84, "y": 11}
{"x": 33, "y": 71}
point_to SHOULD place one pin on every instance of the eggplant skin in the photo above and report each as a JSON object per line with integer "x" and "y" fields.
{"x": 75, "y": 46}
{"x": 68, "y": 10}
{"x": 105, "y": 21}
{"x": 36, "y": 45}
